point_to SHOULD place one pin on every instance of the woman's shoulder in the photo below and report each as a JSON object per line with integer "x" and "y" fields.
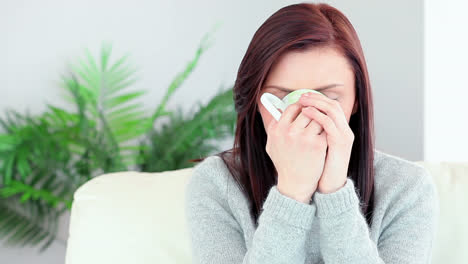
{"x": 209, "y": 177}
{"x": 399, "y": 178}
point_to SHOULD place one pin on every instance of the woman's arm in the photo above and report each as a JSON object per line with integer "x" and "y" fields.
{"x": 407, "y": 233}
{"x": 216, "y": 236}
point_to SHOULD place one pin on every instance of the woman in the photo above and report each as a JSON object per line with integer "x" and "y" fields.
{"x": 311, "y": 187}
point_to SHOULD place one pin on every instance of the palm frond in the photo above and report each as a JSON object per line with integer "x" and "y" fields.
{"x": 33, "y": 189}
{"x": 182, "y": 139}
{"x": 204, "y": 44}
{"x": 28, "y": 223}
{"x": 110, "y": 104}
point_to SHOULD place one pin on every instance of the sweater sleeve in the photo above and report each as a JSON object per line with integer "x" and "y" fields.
{"x": 217, "y": 237}
{"x": 407, "y": 234}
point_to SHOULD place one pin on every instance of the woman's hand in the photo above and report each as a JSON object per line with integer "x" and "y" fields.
{"x": 298, "y": 151}
{"x": 329, "y": 114}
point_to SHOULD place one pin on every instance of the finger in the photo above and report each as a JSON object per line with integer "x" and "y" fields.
{"x": 311, "y": 124}
{"x": 323, "y": 136}
{"x": 300, "y": 122}
{"x": 271, "y": 125}
{"x": 331, "y": 108}
{"x": 325, "y": 121}
{"x": 314, "y": 127}
{"x": 290, "y": 114}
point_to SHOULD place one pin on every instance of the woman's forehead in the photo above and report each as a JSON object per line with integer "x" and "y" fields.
{"x": 310, "y": 69}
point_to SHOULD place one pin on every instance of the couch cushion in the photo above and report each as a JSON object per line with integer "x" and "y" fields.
{"x": 130, "y": 217}
{"x": 451, "y": 180}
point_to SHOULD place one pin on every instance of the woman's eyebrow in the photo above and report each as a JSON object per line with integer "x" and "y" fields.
{"x": 318, "y": 89}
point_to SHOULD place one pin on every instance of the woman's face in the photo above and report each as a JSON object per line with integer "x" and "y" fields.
{"x": 312, "y": 69}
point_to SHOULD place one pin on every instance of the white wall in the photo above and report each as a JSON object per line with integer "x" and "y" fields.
{"x": 38, "y": 38}
{"x": 446, "y": 87}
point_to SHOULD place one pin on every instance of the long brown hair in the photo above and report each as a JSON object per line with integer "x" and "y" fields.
{"x": 296, "y": 27}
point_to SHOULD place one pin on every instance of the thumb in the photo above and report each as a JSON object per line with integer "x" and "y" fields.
{"x": 272, "y": 123}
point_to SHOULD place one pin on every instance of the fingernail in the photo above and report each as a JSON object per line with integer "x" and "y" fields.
{"x": 306, "y": 94}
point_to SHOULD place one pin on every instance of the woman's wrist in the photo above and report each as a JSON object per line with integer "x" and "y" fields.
{"x": 304, "y": 197}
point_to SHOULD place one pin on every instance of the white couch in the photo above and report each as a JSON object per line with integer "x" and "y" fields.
{"x": 134, "y": 217}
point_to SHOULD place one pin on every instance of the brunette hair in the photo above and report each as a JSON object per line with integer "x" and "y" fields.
{"x": 297, "y": 27}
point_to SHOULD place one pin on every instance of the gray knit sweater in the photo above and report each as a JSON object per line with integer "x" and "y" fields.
{"x": 331, "y": 229}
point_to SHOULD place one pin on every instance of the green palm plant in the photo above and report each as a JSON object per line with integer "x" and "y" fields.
{"x": 183, "y": 138}
{"x": 45, "y": 158}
